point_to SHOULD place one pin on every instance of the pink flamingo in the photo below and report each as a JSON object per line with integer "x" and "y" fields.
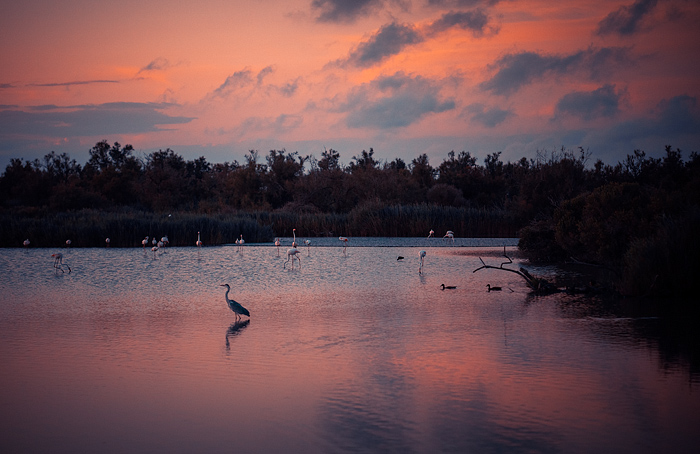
{"x": 345, "y": 243}
{"x": 291, "y": 255}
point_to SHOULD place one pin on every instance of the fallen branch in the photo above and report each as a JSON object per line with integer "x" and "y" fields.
{"x": 539, "y": 285}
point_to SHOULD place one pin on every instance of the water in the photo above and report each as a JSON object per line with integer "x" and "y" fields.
{"x": 354, "y": 352}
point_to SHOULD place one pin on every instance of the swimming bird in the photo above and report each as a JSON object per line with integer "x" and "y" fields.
{"x": 235, "y": 306}
{"x": 448, "y": 287}
{"x": 291, "y": 255}
{"x": 494, "y": 289}
{"x": 400, "y": 257}
{"x": 421, "y": 255}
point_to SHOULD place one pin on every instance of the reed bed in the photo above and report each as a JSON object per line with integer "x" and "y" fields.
{"x": 90, "y": 228}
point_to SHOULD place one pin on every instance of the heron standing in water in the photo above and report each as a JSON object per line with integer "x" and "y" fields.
{"x": 235, "y": 306}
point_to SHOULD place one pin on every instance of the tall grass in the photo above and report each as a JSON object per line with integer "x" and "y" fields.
{"x": 90, "y": 228}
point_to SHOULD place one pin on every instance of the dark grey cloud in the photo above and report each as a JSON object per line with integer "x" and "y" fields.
{"x": 235, "y": 81}
{"x": 491, "y": 117}
{"x": 77, "y": 82}
{"x": 159, "y": 64}
{"x": 627, "y": 19}
{"x": 87, "y": 120}
{"x": 389, "y": 40}
{"x": 513, "y": 71}
{"x": 344, "y": 11}
{"x": 394, "y": 101}
{"x": 476, "y": 21}
{"x": 461, "y": 3}
{"x": 589, "y": 105}
{"x": 7, "y": 86}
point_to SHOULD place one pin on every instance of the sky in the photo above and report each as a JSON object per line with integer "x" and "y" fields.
{"x": 219, "y": 78}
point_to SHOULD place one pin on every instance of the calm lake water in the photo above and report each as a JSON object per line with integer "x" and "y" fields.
{"x": 353, "y": 352}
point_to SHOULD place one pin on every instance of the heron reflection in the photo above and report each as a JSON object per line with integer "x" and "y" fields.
{"x": 234, "y": 330}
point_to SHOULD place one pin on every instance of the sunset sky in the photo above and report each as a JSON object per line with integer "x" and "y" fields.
{"x": 404, "y": 77}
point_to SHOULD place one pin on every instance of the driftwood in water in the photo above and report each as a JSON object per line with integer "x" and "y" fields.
{"x": 539, "y": 285}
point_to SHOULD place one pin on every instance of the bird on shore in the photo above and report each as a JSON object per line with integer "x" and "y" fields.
{"x": 235, "y": 306}
{"x": 493, "y": 289}
{"x": 291, "y": 255}
{"x": 448, "y": 287}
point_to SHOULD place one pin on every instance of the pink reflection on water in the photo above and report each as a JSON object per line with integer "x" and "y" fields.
{"x": 351, "y": 353}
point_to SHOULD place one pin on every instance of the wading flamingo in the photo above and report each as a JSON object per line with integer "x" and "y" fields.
{"x": 278, "y": 243}
{"x": 291, "y": 255}
{"x": 235, "y": 306}
{"x": 199, "y": 241}
{"x": 345, "y": 243}
{"x": 308, "y": 247}
{"x": 144, "y": 243}
{"x": 68, "y": 242}
{"x": 107, "y": 241}
{"x": 155, "y": 251}
{"x": 421, "y": 255}
{"x": 450, "y": 235}
{"x": 431, "y": 234}
{"x": 294, "y": 241}
{"x": 58, "y": 262}
{"x": 26, "y": 242}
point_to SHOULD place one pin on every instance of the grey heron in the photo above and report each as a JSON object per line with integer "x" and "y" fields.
{"x": 234, "y": 305}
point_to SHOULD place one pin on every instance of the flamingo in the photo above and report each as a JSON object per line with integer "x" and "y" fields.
{"x": 308, "y": 247}
{"x": 291, "y": 255}
{"x": 68, "y": 242}
{"x": 345, "y": 243}
{"x": 155, "y": 251}
{"x": 58, "y": 262}
{"x": 450, "y": 235}
{"x": 26, "y": 242}
{"x": 154, "y": 241}
{"x": 431, "y": 234}
{"x": 235, "y": 306}
{"x": 493, "y": 289}
{"x": 199, "y": 241}
{"x": 107, "y": 241}
{"x": 421, "y": 255}
{"x": 278, "y": 243}
{"x": 240, "y": 242}
{"x": 165, "y": 240}
{"x": 448, "y": 287}
{"x": 144, "y": 242}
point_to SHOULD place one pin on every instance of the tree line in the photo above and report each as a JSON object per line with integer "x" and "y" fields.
{"x": 623, "y": 215}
